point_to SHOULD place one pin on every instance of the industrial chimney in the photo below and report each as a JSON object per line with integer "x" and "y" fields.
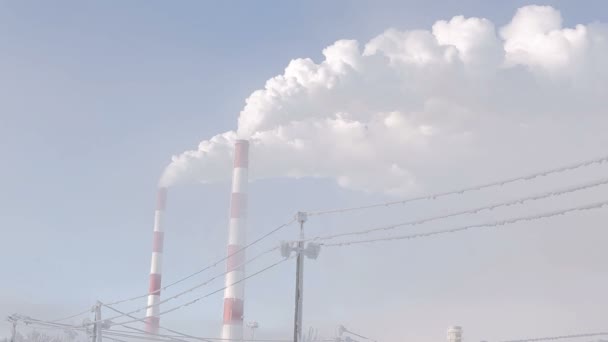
{"x": 152, "y": 317}
{"x": 234, "y": 295}
{"x": 455, "y": 334}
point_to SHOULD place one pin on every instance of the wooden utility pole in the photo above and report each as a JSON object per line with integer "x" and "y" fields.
{"x": 297, "y": 326}
{"x": 97, "y": 323}
{"x": 13, "y": 321}
{"x": 311, "y": 250}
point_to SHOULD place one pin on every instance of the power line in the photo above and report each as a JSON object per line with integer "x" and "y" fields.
{"x": 204, "y": 338}
{"x": 44, "y": 327}
{"x": 493, "y": 206}
{"x": 188, "y": 290}
{"x": 38, "y": 324}
{"x": 211, "y": 293}
{"x": 552, "y": 338}
{"x": 115, "y": 339}
{"x": 137, "y": 332}
{"x": 72, "y": 316}
{"x": 467, "y": 189}
{"x": 51, "y": 325}
{"x": 202, "y": 297}
{"x": 192, "y": 275}
{"x": 29, "y": 320}
{"x": 214, "y": 264}
{"x": 145, "y": 332}
{"x": 593, "y": 206}
{"x": 149, "y": 337}
{"x": 129, "y": 314}
{"x": 342, "y": 328}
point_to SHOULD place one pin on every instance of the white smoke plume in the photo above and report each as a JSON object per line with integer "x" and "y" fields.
{"x": 375, "y": 116}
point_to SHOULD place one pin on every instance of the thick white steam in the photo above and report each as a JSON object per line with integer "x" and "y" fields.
{"x": 377, "y": 117}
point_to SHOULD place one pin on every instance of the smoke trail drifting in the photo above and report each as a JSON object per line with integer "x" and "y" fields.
{"x": 376, "y": 117}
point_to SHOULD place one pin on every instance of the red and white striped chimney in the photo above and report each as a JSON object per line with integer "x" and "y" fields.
{"x": 234, "y": 295}
{"x": 152, "y": 317}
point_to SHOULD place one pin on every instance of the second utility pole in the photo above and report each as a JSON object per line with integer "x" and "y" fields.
{"x": 297, "y": 326}
{"x": 13, "y": 321}
{"x": 98, "y": 324}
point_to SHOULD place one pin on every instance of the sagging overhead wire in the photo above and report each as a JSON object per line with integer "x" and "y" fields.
{"x": 115, "y": 339}
{"x": 214, "y": 264}
{"x": 425, "y": 197}
{"x": 194, "y": 300}
{"x": 44, "y": 325}
{"x": 563, "y": 337}
{"x": 190, "y": 289}
{"x": 342, "y": 330}
{"x": 181, "y": 335}
{"x": 136, "y": 333}
{"x": 201, "y": 338}
{"x": 29, "y": 320}
{"x": 148, "y": 337}
{"x": 106, "y": 333}
{"x": 465, "y": 190}
{"x": 494, "y": 224}
{"x": 72, "y": 316}
{"x": 518, "y": 201}
{"x": 145, "y": 335}
{"x": 188, "y": 277}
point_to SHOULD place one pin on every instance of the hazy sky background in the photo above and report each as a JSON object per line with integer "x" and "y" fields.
{"x": 95, "y": 98}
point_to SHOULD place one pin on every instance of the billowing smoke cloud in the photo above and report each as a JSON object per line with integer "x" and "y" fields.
{"x": 374, "y": 117}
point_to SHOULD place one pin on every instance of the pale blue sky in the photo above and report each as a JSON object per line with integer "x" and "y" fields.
{"x": 96, "y": 96}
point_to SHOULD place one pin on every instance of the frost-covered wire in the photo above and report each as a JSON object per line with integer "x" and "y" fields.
{"x": 177, "y": 337}
{"x": 494, "y": 224}
{"x": 467, "y": 189}
{"x": 143, "y": 336}
{"x": 148, "y": 337}
{"x": 518, "y": 201}
{"x": 197, "y": 286}
{"x": 29, "y": 321}
{"x": 563, "y": 337}
{"x": 64, "y": 318}
{"x": 115, "y": 339}
{"x": 355, "y": 334}
{"x": 198, "y": 298}
{"x": 72, "y": 316}
{"x": 214, "y": 264}
{"x": 188, "y": 277}
{"x": 201, "y": 338}
{"x": 136, "y": 333}
{"x": 181, "y": 335}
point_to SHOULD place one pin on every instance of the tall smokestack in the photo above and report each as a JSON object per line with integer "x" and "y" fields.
{"x": 152, "y": 317}
{"x": 234, "y": 295}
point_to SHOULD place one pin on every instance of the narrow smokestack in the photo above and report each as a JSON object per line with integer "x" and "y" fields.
{"x": 152, "y": 317}
{"x": 234, "y": 295}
